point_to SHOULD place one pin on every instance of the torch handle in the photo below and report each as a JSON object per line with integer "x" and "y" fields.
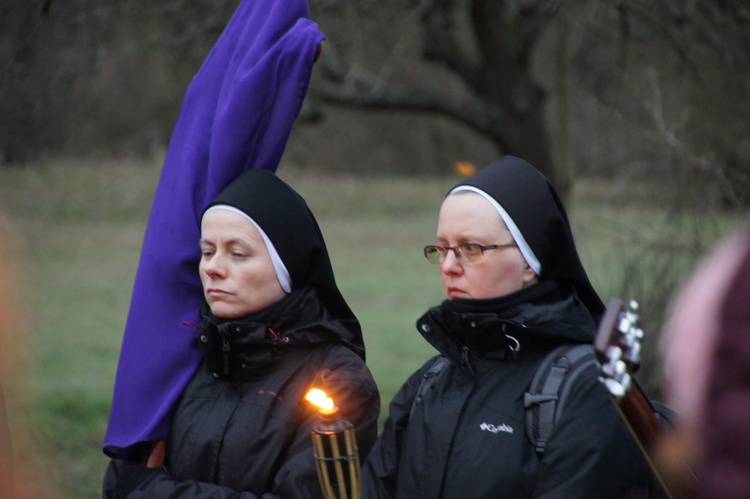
{"x": 354, "y": 466}
{"x": 337, "y": 464}
{"x": 323, "y": 477}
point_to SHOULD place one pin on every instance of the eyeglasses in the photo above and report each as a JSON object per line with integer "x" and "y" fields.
{"x": 465, "y": 253}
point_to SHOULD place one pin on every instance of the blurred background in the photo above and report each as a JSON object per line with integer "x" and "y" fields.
{"x": 655, "y": 89}
{"x": 635, "y": 109}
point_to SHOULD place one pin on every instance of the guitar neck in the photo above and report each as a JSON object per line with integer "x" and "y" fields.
{"x": 617, "y": 345}
{"x": 639, "y": 415}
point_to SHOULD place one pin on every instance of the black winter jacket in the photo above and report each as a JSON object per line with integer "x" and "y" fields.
{"x": 242, "y": 427}
{"x": 467, "y": 436}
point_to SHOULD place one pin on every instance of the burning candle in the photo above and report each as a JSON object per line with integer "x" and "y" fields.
{"x": 335, "y": 449}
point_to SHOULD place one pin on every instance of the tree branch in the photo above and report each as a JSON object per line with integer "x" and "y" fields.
{"x": 475, "y": 114}
{"x": 728, "y": 187}
{"x": 441, "y": 45}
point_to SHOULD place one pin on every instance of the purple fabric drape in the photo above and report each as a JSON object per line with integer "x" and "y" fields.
{"x": 237, "y": 115}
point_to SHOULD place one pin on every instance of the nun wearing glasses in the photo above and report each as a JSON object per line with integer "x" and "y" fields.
{"x": 515, "y": 290}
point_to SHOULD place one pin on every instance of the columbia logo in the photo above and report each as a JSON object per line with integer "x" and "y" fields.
{"x": 495, "y": 429}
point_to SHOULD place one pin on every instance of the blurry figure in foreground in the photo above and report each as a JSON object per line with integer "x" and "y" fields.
{"x": 6, "y": 462}
{"x": 707, "y": 375}
{"x": 15, "y": 473}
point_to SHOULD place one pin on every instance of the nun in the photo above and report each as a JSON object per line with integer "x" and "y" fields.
{"x": 515, "y": 289}
{"x": 273, "y": 326}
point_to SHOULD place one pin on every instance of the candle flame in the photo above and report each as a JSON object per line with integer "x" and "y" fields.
{"x": 320, "y": 399}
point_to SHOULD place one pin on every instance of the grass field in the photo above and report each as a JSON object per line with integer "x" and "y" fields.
{"x": 73, "y": 232}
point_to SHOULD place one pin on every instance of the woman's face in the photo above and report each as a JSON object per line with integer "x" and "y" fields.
{"x": 236, "y": 270}
{"x": 469, "y": 218}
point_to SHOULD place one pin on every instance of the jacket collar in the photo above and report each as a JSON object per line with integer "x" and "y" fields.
{"x": 472, "y": 330}
{"x": 247, "y": 348}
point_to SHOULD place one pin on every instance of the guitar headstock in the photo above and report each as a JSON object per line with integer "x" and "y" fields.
{"x": 618, "y": 346}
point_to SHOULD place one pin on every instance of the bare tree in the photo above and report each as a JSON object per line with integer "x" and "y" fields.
{"x": 476, "y": 62}
{"x": 486, "y": 45}
{"x": 604, "y": 86}
{"x": 21, "y": 24}
{"x": 98, "y": 76}
{"x": 672, "y": 79}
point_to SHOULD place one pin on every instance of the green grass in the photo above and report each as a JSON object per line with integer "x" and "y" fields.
{"x": 74, "y": 230}
{"x": 375, "y": 229}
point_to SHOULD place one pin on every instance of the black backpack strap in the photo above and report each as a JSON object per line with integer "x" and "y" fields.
{"x": 428, "y": 380}
{"x": 548, "y": 391}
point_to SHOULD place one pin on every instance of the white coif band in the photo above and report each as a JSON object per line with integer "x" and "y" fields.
{"x": 526, "y": 251}
{"x": 282, "y": 274}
